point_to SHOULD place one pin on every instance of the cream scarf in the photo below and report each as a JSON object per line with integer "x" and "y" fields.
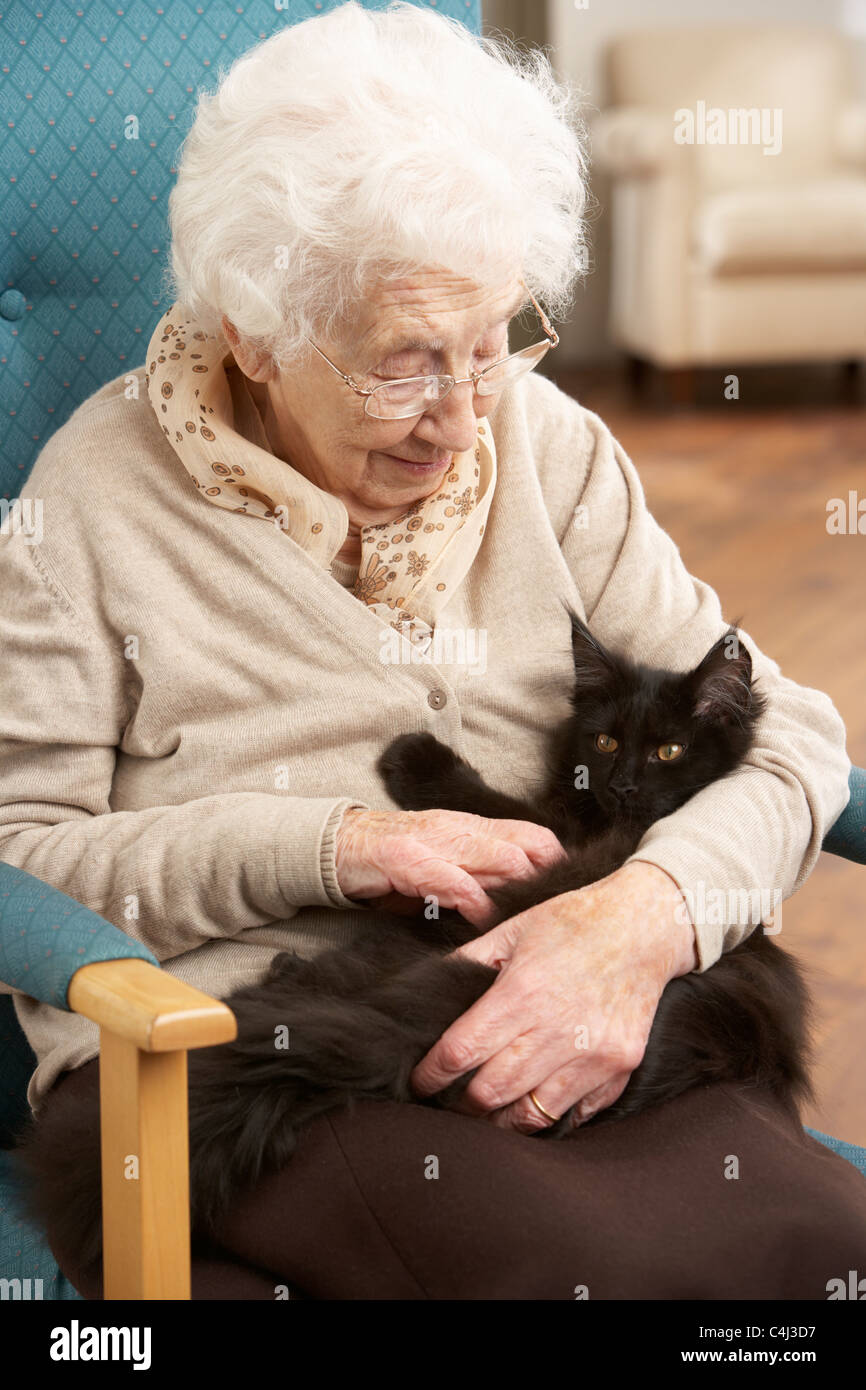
{"x": 409, "y": 567}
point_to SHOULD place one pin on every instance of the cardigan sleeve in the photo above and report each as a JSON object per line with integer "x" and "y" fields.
{"x": 741, "y": 846}
{"x": 170, "y": 876}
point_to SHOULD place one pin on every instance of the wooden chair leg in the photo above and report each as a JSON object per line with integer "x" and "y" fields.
{"x": 680, "y": 385}
{"x": 849, "y": 384}
{"x": 637, "y": 372}
{"x": 145, "y": 1172}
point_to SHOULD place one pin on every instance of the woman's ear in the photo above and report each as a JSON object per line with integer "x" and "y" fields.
{"x": 254, "y": 363}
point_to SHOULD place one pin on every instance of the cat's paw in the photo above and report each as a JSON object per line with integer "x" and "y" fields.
{"x": 413, "y": 768}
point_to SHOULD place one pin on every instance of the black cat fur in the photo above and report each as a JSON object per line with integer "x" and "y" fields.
{"x": 360, "y": 1018}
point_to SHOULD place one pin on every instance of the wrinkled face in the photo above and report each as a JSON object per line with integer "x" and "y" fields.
{"x": 428, "y": 324}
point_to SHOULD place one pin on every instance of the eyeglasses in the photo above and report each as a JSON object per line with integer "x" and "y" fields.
{"x": 413, "y": 395}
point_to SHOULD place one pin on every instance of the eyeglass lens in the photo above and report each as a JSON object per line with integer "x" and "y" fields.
{"x": 397, "y": 399}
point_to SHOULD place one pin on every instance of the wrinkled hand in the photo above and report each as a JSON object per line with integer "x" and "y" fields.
{"x": 568, "y": 1017}
{"x": 392, "y": 857}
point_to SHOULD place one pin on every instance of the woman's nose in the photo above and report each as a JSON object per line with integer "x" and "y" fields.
{"x": 454, "y": 420}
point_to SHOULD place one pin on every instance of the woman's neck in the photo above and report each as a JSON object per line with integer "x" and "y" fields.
{"x": 350, "y": 550}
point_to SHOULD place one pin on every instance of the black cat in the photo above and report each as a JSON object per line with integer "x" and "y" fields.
{"x": 358, "y": 1019}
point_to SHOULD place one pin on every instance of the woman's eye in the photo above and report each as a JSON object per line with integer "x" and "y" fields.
{"x": 399, "y": 373}
{"x": 668, "y": 751}
{"x": 493, "y": 352}
{"x": 605, "y": 743}
{"x": 395, "y": 371}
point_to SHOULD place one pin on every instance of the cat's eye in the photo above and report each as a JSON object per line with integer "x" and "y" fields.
{"x": 605, "y": 743}
{"x": 668, "y": 751}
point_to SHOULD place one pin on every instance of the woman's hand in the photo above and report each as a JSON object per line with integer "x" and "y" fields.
{"x": 580, "y": 977}
{"x": 394, "y": 856}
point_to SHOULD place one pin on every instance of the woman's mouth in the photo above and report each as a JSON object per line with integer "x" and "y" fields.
{"x": 422, "y": 469}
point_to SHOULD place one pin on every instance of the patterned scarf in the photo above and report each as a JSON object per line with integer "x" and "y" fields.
{"x": 409, "y": 567}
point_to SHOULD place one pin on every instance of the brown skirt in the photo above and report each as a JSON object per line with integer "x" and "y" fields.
{"x": 715, "y": 1195}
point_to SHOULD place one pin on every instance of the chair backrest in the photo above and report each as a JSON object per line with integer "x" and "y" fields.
{"x": 97, "y": 101}
{"x": 805, "y": 74}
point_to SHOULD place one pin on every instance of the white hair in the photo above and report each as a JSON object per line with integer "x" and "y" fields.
{"x": 360, "y": 146}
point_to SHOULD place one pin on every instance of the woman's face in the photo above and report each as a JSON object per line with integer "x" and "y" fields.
{"x": 380, "y": 467}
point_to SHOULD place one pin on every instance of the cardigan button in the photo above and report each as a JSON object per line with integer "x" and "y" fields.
{"x": 437, "y": 699}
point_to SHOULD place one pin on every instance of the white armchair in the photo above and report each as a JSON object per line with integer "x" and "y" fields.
{"x": 722, "y": 253}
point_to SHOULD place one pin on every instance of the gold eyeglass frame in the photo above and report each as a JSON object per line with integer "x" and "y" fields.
{"x": 552, "y": 340}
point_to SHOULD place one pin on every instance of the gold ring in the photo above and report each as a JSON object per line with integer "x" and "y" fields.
{"x": 554, "y": 1119}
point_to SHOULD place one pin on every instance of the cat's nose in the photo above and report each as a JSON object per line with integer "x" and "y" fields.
{"x": 622, "y": 791}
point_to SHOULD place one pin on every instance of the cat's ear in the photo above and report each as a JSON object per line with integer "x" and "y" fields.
{"x": 593, "y": 664}
{"x": 721, "y": 686}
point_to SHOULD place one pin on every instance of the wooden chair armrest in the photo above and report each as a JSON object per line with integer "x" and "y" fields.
{"x": 148, "y": 1020}
{"x": 156, "y": 1011}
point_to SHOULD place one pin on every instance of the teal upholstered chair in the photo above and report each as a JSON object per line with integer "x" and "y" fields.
{"x": 85, "y": 211}
{"x": 848, "y": 836}
{"x": 84, "y": 216}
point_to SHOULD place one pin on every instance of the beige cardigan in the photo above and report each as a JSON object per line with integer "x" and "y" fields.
{"x": 188, "y": 703}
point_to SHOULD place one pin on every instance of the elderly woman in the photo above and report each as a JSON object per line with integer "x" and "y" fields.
{"x": 337, "y": 456}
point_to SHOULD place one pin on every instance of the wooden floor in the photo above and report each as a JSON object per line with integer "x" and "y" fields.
{"x": 742, "y": 487}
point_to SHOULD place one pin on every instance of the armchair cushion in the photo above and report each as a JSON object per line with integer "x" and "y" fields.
{"x": 820, "y": 225}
